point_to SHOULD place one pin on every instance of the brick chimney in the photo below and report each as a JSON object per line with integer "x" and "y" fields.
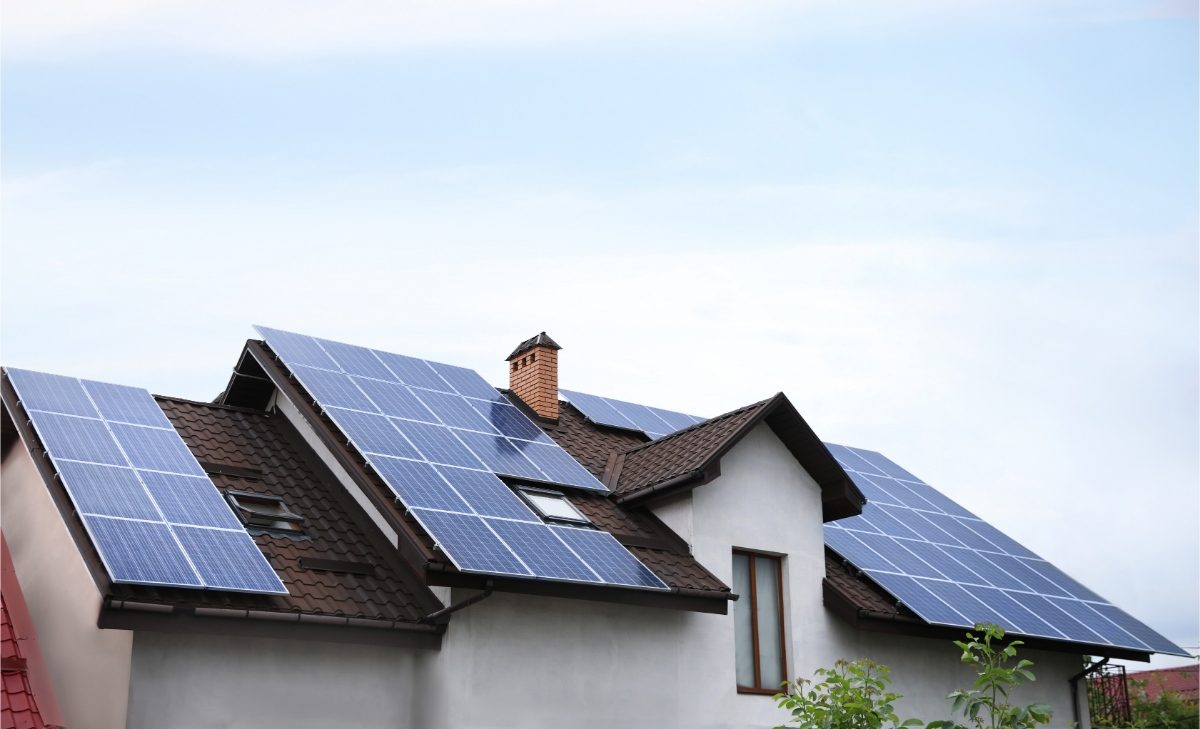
{"x": 533, "y": 374}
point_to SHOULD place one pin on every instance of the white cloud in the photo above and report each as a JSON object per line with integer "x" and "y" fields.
{"x": 279, "y": 28}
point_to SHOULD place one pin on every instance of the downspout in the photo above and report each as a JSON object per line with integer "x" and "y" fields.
{"x": 1073, "y": 681}
{"x": 450, "y": 609}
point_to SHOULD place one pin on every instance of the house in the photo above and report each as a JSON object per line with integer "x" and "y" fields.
{"x": 1183, "y": 681}
{"x": 591, "y": 575}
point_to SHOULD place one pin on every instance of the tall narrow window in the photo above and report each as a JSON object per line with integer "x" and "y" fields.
{"x": 761, "y": 652}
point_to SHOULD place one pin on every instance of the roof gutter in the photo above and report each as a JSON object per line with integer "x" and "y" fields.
{"x": 680, "y": 480}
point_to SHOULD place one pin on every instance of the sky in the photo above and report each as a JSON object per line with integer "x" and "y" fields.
{"x": 964, "y": 234}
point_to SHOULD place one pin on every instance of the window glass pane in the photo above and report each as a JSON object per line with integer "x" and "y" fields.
{"x": 766, "y": 576}
{"x": 743, "y": 614}
{"x": 554, "y": 506}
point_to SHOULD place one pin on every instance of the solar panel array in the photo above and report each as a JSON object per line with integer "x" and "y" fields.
{"x": 149, "y": 508}
{"x": 952, "y": 568}
{"x": 654, "y": 422}
{"x": 438, "y": 436}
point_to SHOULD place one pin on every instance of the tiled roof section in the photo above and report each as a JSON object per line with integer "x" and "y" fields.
{"x": 857, "y": 590}
{"x": 1183, "y": 681}
{"x": 19, "y": 709}
{"x": 682, "y": 452}
{"x": 247, "y": 439}
{"x": 590, "y": 444}
{"x": 652, "y": 541}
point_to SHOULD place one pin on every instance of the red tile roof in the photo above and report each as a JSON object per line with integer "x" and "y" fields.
{"x": 1181, "y": 680}
{"x": 19, "y": 708}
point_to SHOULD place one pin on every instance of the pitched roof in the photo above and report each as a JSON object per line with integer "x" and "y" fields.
{"x": 251, "y": 451}
{"x": 693, "y": 586}
{"x": 691, "y": 457}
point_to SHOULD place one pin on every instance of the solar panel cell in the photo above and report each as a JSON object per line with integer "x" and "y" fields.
{"x": 544, "y": 554}
{"x": 394, "y": 399}
{"x": 77, "y": 439}
{"x": 414, "y": 372}
{"x": 510, "y": 421}
{"x": 333, "y": 389}
{"x": 486, "y": 494}
{"x": 1025, "y": 620}
{"x": 469, "y": 543}
{"x": 106, "y": 491}
{"x": 853, "y": 549}
{"x": 966, "y": 604}
{"x": 465, "y": 382}
{"x": 455, "y": 411}
{"x": 372, "y": 433}
{"x": 437, "y": 444}
{"x": 51, "y": 393}
{"x": 894, "y": 551}
{"x": 141, "y": 552}
{"x": 605, "y": 555}
{"x": 156, "y": 450}
{"x": 297, "y": 349}
{"x": 500, "y": 455}
{"x": 126, "y": 405}
{"x": 1054, "y": 616}
{"x": 558, "y": 466}
{"x": 1134, "y": 627}
{"x": 356, "y": 360}
{"x": 228, "y": 560}
{"x": 1083, "y": 612}
{"x": 1034, "y": 581}
{"x": 188, "y": 500}
{"x": 919, "y": 600}
{"x": 417, "y": 484}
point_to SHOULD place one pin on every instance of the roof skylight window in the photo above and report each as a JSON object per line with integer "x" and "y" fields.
{"x": 553, "y": 506}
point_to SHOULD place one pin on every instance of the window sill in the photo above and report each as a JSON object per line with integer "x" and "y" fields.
{"x": 757, "y": 691}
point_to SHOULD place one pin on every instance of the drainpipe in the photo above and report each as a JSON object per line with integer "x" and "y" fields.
{"x": 1073, "y": 681}
{"x": 468, "y": 602}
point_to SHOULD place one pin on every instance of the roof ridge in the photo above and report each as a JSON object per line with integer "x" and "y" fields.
{"x": 703, "y": 423}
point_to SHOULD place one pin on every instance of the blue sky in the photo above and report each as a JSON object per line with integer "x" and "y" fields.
{"x": 964, "y": 234}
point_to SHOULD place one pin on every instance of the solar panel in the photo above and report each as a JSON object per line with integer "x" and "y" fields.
{"x": 149, "y": 508}
{"x": 653, "y": 422}
{"x": 444, "y": 414}
{"x": 952, "y": 568}
{"x": 439, "y": 436}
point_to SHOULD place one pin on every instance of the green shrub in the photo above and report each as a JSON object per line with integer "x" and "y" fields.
{"x": 851, "y": 695}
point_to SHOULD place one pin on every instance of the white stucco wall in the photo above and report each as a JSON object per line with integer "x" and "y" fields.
{"x": 89, "y": 666}
{"x": 522, "y": 661}
{"x": 218, "y": 682}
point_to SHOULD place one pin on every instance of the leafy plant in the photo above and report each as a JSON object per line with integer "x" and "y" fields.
{"x": 986, "y": 705}
{"x": 851, "y": 695}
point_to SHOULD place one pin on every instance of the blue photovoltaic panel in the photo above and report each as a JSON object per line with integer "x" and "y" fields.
{"x": 501, "y": 456}
{"x": 439, "y": 435}
{"x": 605, "y": 555}
{"x": 544, "y": 554}
{"x": 418, "y": 484}
{"x": 148, "y": 506}
{"x": 952, "y": 568}
{"x": 448, "y": 415}
{"x": 121, "y": 404}
{"x": 470, "y": 544}
{"x": 654, "y": 422}
{"x": 486, "y": 494}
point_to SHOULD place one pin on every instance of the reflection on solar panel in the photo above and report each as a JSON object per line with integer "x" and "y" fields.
{"x": 148, "y": 506}
{"x": 438, "y": 435}
{"x": 393, "y": 405}
{"x": 654, "y": 422}
{"x": 952, "y": 568}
